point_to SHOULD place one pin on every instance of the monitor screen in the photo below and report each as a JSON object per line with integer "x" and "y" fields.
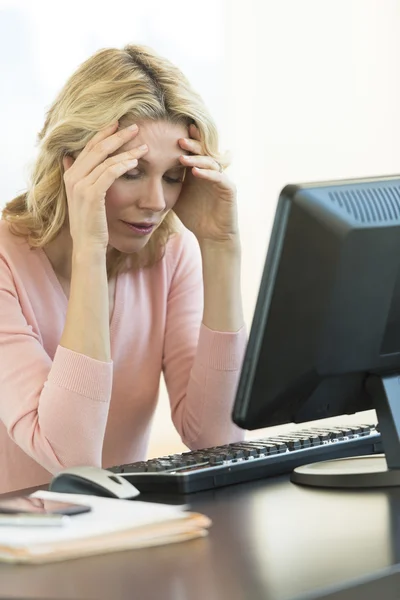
{"x": 328, "y": 309}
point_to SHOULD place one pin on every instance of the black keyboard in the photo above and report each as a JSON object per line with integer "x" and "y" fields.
{"x": 252, "y": 459}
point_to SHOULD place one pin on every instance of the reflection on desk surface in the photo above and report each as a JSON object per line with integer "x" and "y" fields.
{"x": 302, "y": 538}
{"x": 270, "y": 540}
{"x": 384, "y": 585}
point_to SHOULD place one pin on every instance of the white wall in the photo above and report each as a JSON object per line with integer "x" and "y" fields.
{"x": 301, "y": 89}
{"x": 314, "y": 95}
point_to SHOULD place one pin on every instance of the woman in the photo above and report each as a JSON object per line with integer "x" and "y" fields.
{"x": 102, "y": 288}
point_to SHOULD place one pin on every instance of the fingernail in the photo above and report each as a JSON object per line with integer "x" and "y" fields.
{"x": 132, "y": 127}
{"x": 143, "y": 147}
{"x": 132, "y": 163}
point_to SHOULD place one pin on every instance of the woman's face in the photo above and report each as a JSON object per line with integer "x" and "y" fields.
{"x": 145, "y": 194}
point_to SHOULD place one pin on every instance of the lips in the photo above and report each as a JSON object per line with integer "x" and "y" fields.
{"x": 142, "y": 228}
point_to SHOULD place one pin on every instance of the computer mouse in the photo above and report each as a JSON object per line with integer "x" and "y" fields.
{"x": 93, "y": 481}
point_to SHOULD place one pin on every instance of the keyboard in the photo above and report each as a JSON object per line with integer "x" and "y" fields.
{"x": 239, "y": 462}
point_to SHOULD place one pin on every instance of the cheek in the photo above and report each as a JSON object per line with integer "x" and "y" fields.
{"x": 118, "y": 197}
{"x": 171, "y": 194}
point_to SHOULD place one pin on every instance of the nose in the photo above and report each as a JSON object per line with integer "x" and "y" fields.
{"x": 152, "y": 198}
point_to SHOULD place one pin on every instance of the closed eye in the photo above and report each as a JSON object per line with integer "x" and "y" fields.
{"x": 174, "y": 179}
{"x": 168, "y": 178}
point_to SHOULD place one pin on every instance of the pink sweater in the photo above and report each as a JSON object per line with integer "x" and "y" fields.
{"x": 59, "y": 408}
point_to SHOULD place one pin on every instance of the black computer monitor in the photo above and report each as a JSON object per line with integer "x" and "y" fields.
{"x": 325, "y": 337}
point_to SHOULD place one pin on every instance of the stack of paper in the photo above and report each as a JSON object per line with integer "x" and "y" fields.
{"x": 111, "y": 525}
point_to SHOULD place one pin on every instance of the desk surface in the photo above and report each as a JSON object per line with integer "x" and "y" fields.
{"x": 270, "y": 540}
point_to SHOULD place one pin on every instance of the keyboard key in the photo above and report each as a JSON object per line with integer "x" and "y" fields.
{"x": 271, "y": 449}
{"x": 355, "y": 430}
{"x": 217, "y": 460}
{"x": 139, "y": 467}
{"x": 315, "y": 440}
{"x": 365, "y": 429}
{"x": 257, "y": 449}
{"x": 280, "y": 446}
{"x": 291, "y": 442}
{"x": 323, "y": 435}
{"x": 248, "y": 451}
{"x": 237, "y": 453}
{"x": 154, "y": 466}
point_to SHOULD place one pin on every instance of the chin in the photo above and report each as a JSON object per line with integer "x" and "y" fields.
{"x": 132, "y": 248}
{"x": 128, "y": 246}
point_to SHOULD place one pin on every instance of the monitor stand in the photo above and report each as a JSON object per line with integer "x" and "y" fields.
{"x": 381, "y": 470}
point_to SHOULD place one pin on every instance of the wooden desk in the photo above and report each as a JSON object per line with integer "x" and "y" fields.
{"x": 270, "y": 540}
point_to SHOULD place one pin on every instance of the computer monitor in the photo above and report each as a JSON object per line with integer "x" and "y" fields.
{"x": 325, "y": 337}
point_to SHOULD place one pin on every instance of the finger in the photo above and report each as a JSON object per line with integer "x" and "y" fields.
{"x": 204, "y": 162}
{"x": 96, "y": 153}
{"x": 123, "y": 157}
{"x": 100, "y": 135}
{"x": 191, "y": 145}
{"x": 111, "y": 143}
{"x": 111, "y": 173}
{"x": 209, "y": 174}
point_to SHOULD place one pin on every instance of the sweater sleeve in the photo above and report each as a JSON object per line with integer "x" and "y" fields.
{"x": 201, "y": 367}
{"x": 56, "y": 411}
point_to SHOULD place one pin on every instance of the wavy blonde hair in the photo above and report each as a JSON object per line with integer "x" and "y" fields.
{"x": 129, "y": 84}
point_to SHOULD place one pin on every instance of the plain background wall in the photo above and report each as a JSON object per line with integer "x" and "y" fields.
{"x": 302, "y": 90}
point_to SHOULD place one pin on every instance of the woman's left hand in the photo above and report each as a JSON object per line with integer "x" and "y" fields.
{"x": 207, "y": 202}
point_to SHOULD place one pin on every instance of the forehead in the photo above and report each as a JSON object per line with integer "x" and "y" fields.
{"x": 160, "y": 136}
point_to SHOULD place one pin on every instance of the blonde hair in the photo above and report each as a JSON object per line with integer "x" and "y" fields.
{"x": 129, "y": 84}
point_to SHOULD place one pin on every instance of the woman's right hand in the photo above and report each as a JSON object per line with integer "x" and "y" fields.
{"x": 87, "y": 179}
